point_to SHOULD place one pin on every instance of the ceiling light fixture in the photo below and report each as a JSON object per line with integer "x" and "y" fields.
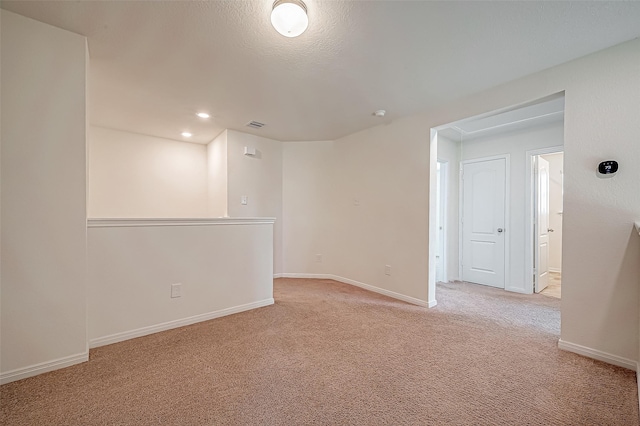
{"x": 203, "y": 115}
{"x": 186, "y": 134}
{"x": 380, "y": 113}
{"x": 289, "y": 17}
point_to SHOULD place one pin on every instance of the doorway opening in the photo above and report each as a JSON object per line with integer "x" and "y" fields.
{"x": 546, "y": 201}
{"x": 442, "y": 168}
{"x": 481, "y": 227}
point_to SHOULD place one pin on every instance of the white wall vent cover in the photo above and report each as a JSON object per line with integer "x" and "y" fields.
{"x": 255, "y": 124}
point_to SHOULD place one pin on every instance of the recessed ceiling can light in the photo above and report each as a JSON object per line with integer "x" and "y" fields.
{"x": 380, "y": 113}
{"x": 203, "y": 115}
{"x": 289, "y": 17}
{"x": 186, "y": 134}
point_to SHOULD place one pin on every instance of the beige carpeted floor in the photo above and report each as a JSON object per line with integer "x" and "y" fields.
{"x": 329, "y": 353}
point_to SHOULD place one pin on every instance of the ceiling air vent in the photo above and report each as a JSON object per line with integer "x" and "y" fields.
{"x": 255, "y": 124}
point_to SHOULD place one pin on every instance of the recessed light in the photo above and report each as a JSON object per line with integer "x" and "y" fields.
{"x": 187, "y": 134}
{"x": 203, "y": 115}
{"x": 380, "y": 113}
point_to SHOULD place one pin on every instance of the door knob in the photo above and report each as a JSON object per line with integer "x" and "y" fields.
{"x": 500, "y": 229}
{"x": 549, "y": 230}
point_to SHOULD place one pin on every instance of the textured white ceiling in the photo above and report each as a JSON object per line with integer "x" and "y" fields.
{"x": 154, "y": 64}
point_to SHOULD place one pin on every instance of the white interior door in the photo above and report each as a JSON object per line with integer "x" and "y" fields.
{"x": 542, "y": 225}
{"x": 483, "y": 222}
{"x": 440, "y": 250}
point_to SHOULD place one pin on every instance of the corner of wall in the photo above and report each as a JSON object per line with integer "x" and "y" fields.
{"x": 258, "y": 178}
{"x": 43, "y": 58}
{"x": 638, "y": 382}
{"x": 217, "y": 176}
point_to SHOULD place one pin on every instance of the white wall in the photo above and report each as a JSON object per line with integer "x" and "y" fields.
{"x": 43, "y": 197}
{"x": 224, "y": 266}
{"x": 307, "y": 195}
{"x": 449, "y": 151}
{"x": 600, "y": 268}
{"x": 217, "y": 176}
{"x": 388, "y": 168}
{"x": 139, "y": 176}
{"x": 600, "y": 254}
{"x": 555, "y": 210}
{"x": 516, "y": 144}
{"x": 258, "y": 177}
{"x": 132, "y": 175}
{"x": 380, "y": 208}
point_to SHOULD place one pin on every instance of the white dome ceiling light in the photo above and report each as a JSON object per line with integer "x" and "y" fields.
{"x": 289, "y": 17}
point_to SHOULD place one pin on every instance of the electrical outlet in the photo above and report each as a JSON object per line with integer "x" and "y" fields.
{"x": 176, "y": 290}
{"x": 387, "y": 269}
{"x": 244, "y": 200}
{"x": 356, "y": 202}
{"x": 319, "y": 258}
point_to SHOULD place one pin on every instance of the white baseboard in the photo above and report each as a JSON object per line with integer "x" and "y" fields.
{"x": 369, "y": 287}
{"x": 277, "y": 276}
{"x": 312, "y": 276}
{"x": 517, "y": 290}
{"x": 389, "y": 293}
{"x": 599, "y": 355}
{"x": 43, "y": 367}
{"x": 555, "y": 270}
{"x": 144, "y": 331}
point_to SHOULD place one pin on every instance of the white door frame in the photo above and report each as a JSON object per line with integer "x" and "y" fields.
{"x": 507, "y": 216}
{"x": 529, "y": 256}
{"x": 444, "y": 197}
{"x": 431, "y": 255}
{"x": 542, "y": 230}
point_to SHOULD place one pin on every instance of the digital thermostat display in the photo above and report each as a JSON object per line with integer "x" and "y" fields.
{"x": 608, "y": 167}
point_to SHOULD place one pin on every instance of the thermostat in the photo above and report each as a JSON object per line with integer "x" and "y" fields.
{"x": 608, "y": 167}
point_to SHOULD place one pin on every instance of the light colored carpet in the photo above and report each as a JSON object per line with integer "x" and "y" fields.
{"x": 332, "y": 354}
